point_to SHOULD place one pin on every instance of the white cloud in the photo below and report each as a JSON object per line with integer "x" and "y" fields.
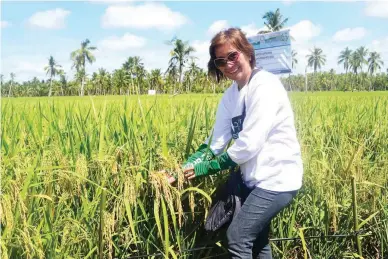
{"x": 4, "y": 24}
{"x": 148, "y": 15}
{"x": 377, "y": 9}
{"x": 251, "y": 29}
{"x": 51, "y": 19}
{"x": 304, "y": 31}
{"x": 330, "y": 50}
{"x": 110, "y": 1}
{"x": 288, "y": 2}
{"x": 217, "y": 26}
{"x": 25, "y": 67}
{"x": 201, "y": 46}
{"x": 28, "y": 58}
{"x": 150, "y": 57}
{"x": 127, "y": 41}
{"x": 201, "y": 52}
{"x": 380, "y": 46}
{"x": 349, "y": 34}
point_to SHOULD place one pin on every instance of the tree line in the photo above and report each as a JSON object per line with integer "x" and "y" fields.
{"x": 183, "y": 75}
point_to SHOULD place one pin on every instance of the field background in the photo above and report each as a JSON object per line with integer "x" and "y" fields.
{"x": 80, "y": 176}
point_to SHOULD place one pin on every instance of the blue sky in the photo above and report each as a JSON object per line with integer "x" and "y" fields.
{"x": 32, "y": 31}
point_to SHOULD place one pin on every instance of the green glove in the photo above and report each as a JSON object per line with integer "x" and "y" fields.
{"x": 203, "y": 153}
{"x": 221, "y": 162}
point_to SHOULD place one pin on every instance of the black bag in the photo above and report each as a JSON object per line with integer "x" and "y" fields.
{"x": 227, "y": 202}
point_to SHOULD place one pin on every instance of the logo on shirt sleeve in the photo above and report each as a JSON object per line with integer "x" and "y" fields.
{"x": 237, "y": 125}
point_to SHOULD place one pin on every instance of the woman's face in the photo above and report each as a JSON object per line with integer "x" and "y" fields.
{"x": 233, "y": 63}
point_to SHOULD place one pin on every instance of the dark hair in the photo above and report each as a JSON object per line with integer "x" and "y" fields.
{"x": 237, "y": 39}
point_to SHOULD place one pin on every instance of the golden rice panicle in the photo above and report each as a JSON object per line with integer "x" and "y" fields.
{"x": 163, "y": 190}
{"x": 129, "y": 190}
{"x": 192, "y": 204}
{"x": 180, "y": 180}
{"x": 6, "y": 216}
{"x": 27, "y": 243}
{"x": 161, "y": 183}
{"x": 81, "y": 166}
{"x": 155, "y": 183}
{"x": 81, "y": 170}
{"x": 172, "y": 167}
{"x": 4, "y": 251}
{"x": 65, "y": 235}
{"x": 109, "y": 225}
{"x": 180, "y": 176}
{"x": 47, "y": 160}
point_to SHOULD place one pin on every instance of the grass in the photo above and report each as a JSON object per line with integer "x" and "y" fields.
{"x": 81, "y": 176}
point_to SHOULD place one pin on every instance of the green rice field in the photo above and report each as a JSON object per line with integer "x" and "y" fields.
{"x": 81, "y": 177}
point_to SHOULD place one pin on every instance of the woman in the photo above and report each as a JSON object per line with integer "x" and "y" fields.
{"x": 255, "y": 111}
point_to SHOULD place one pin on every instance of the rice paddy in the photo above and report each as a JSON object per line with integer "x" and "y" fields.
{"x": 81, "y": 177}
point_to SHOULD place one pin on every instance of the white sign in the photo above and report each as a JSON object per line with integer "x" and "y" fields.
{"x": 273, "y": 51}
{"x": 151, "y": 92}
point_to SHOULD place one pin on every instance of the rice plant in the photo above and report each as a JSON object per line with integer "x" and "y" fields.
{"x": 82, "y": 177}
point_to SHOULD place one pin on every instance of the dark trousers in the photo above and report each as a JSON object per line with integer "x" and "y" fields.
{"x": 248, "y": 233}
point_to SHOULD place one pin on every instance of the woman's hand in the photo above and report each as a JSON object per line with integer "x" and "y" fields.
{"x": 171, "y": 179}
{"x": 189, "y": 173}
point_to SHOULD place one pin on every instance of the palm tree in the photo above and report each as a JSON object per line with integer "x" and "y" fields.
{"x": 103, "y": 80}
{"x": 274, "y": 21}
{"x": 362, "y": 53}
{"x": 316, "y": 59}
{"x": 133, "y": 65}
{"x": 155, "y": 79}
{"x": 387, "y": 78}
{"x": 172, "y": 76}
{"x": 344, "y": 58}
{"x": 179, "y": 56}
{"x": 139, "y": 73}
{"x": 355, "y": 62}
{"x": 332, "y": 79}
{"x": 294, "y": 61}
{"x": 12, "y": 75}
{"x": 94, "y": 81}
{"x": 80, "y": 77}
{"x": 52, "y": 68}
{"x": 135, "y": 70}
{"x": 192, "y": 72}
{"x": 2, "y": 84}
{"x": 120, "y": 80}
{"x": 62, "y": 81}
{"x": 79, "y": 58}
{"x": 374, "y": 62}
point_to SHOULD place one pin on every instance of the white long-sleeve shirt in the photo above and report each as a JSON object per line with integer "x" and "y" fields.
{"x": 265, "y": 146}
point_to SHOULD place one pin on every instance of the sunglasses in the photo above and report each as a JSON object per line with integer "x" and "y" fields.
{"x": 232, "y": 57}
